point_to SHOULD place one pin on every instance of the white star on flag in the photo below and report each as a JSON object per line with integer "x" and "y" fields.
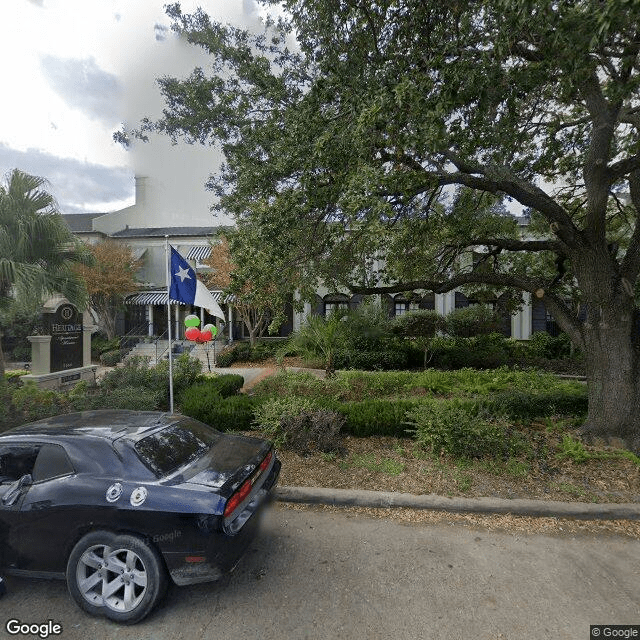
{"x": 182, "y": 274}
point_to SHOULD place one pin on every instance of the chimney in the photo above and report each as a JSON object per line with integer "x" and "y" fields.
{"x": 141, "y": 190}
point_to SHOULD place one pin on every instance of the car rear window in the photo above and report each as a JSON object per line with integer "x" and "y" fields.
{"x": 165, "y": 451}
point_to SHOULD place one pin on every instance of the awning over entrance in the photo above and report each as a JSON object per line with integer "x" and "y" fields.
{"x": 199, "y": 253}
{"x": 159, "y": 297}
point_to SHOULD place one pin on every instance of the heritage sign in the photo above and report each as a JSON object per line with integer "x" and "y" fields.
{"x": 65, "y": 328}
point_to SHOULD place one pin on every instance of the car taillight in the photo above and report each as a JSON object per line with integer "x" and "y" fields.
{"x": 265, "y": 463}
{"x": 237, "y": 498}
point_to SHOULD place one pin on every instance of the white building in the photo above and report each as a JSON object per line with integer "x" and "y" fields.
{"x": 148, "y": 224}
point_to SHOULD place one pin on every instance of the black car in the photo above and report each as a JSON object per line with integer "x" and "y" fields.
{"x": 118, "y": 502}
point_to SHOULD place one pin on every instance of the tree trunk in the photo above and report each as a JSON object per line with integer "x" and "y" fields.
{"x": 613, "y": 383}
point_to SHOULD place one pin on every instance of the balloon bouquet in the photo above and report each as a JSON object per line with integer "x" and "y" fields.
{"x": 203, "y": 336}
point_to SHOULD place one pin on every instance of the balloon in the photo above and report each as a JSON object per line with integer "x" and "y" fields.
{"x": 191, "y": 321}
{"x": 205, "y": 336}
{"x": 212, "y": 328}
{"x": 192, "y": 333}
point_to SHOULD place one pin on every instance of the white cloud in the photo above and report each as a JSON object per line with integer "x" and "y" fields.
{"x": 73, "y": 70}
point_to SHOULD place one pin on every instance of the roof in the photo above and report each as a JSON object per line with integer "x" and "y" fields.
{"x": 81, "y": 222}
{"x": 160, "y": 232}
{"x": 106, "y": 424}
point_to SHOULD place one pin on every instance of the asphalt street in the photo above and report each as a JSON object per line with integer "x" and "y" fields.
{"x": 336, "y": 575}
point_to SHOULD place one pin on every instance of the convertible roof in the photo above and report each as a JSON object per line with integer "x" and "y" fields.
{"x": 107, "y": 424}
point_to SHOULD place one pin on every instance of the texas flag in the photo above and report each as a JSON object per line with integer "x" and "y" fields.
{"x": 185, "y": 287}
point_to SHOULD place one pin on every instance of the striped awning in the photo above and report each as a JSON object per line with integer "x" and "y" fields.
{"x": 199, "y": 253}
{"x": 159, "y": 297}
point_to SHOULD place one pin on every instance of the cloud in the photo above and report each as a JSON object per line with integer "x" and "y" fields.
{"x": 79, "y": 187}
{"x": 37, "y": 3}
{"x": 83, "y": 85}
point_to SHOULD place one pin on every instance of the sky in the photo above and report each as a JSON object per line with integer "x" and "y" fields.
{"x": 73, "y": 72}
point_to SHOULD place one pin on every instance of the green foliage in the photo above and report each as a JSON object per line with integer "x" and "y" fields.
{"x": 100, "y": 344}
{"x": 21, "y": 353}
{"x": 34, "y": 403}
{"x": 136, "y": 373}
{"x": 321, "y": 337}
{"x": 244, "y": 352}
{"x": 544, "y": 345}
{"x": 271, "y": 416}
{"x": 37, "y": 250}
{"x": 526, "y": 405}
{"x": 424, "y": 323}
{"x": 337, "y": 149}
{"x": 573, "y": 449}
{"x": 458, "y": 430}
{"x": 110, "y": 358}
{"x": 474, "y": 320}
{"x": 386, "y": 465}
{"x": 375, "y": 417}
{"x": 204, "y": 402}
{"x": 226, "y": 384}
{"x": 309, "y": 430}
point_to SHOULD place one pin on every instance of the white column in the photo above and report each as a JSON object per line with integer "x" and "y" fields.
{"x": 150, "y": 316}
{"x": 201, "y": 317}
{"x": 176, "y": 334}
{"x": 521, "y": 321}
{"x": 230, "y": 324}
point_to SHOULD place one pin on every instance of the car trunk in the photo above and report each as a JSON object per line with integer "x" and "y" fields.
{"x": 229, "y": 463}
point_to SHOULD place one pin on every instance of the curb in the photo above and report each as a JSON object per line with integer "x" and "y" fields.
{"x": 520, "y": 507}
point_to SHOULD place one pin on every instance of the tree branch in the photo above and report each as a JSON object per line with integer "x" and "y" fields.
{"x": 561, "y": 312}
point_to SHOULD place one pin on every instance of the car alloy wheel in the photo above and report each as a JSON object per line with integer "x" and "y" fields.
{"x": 118, "y": 576}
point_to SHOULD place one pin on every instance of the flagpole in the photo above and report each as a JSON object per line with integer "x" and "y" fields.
{"x": 166, "y": 250}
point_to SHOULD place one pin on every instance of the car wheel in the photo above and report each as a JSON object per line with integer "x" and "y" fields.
{"x": 117, "y": 576}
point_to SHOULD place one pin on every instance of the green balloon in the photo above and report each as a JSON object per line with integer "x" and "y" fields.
{"x": 212, "y": 328}
{"x": 191, "y": 321}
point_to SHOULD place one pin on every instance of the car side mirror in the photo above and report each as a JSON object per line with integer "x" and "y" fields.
{"x": 13, "y": 492}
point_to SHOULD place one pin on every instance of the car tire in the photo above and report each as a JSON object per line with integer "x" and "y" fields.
{"x": 121, "y": 576}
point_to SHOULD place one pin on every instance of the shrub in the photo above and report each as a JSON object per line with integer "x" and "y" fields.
{"x": 110, "y": 358}
{"x": 371, "y": 360}
{"x": 310, "y": 430}
{"x": 100, "y": 344}
{"x": 226, "y": 384}
{"x": 234, "y": 413}
{"x": 476, "y": 319}
{"x": 226, "y": 357}
{"x": 136, "y": 398}
{"x": 543, "y": 345}
{"x": 517, "y": 404}
{"x": 33, "y": 403}
{"x": 271, "y": 415}
{"x": 21, "y": 353}
{"x": 375, "y": 417}
{"x": 137, "y": 373}
{"x": 457, "y": 429}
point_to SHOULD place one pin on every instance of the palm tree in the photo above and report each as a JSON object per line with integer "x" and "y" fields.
{"x": 37, "y": 249}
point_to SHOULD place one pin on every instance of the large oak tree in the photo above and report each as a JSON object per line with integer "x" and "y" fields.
{"x": 338, "y": 148}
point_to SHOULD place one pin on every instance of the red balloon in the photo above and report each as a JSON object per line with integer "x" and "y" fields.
{"x": 205, "y": 336}
{"x": 192, "y": 333}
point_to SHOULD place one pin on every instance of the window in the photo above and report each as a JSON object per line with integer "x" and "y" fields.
{"x": 16, "y": 461}
{"x": 42, "y": 462}
{"x": 333, "y": 302}
{"x": 166, "y": 450}
{"x": 52, "y": 462}
{"x": 400, "y": 308}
